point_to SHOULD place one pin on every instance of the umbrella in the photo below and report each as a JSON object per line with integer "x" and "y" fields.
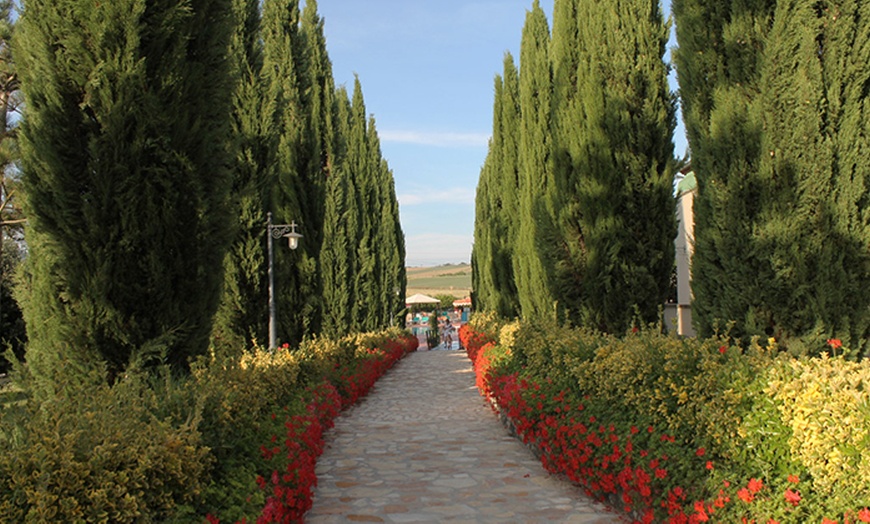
{"x": 420, "y": 299}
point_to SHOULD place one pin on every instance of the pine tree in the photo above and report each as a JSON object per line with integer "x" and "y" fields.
{"x": 621, "y": 162}
{"x": 124, "y": 160}
{"x": 241, "y": 318}
{"x": 537, "y": 237}
{"x": 11, "y": 216}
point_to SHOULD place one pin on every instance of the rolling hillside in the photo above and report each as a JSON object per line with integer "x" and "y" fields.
{"x": 452, "y": 279}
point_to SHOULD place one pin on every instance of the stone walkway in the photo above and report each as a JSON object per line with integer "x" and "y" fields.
{"x": 424, "y": 446}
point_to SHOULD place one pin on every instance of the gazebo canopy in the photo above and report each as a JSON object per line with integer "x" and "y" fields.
{"x": 420, "y": 299}
{"x": 462, "y": 302}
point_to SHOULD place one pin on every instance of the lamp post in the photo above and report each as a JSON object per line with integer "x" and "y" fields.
{"x": 392, "y": 308}
{"x": 277, "y": 231}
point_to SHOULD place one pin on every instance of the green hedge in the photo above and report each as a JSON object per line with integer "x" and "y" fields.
{"x": 158, "y": 448}
{"x": 724, "y": 432}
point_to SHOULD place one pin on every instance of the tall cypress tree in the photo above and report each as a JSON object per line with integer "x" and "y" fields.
{"x": 241, "y": 318}
{"x": 537, "y": 238}
{"x": 621, "y": 162}
{"x": 338, "y": 256}
{"x": 508, "y": 304}
{"x": 721, "y": 47}
{"x": 484, "y": 217}
{"x": 124, "y": 158}
{"x": 778, "y": 217}
{"x": 357, "y": 165}
{"x": 812, "y": 229}
{"x": 284, "y": 75}
{"x": 566, "y": 49}
{"x": 390, "y": 242}
{"x": 317, "y": 89}
{"x": 363, "y": 214}
{"x": 497, "y": 201}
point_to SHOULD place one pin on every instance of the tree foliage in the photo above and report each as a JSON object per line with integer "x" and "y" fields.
{"x": 592, "y": 241}
{"x": 776, "y": 98}
{"x": 124, "y": 160}
{"x": 364, "y": 250}
{"x": 496, "y": 203}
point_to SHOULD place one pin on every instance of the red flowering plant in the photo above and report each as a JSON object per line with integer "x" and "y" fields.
{"x": 668, "y": 430}
{"x": 281, "y": 473}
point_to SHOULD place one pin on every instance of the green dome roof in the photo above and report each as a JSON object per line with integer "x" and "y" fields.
{"x": 688, "y": 183}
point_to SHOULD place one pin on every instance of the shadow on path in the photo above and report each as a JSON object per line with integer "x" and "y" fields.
{"x": 424, "y": 446}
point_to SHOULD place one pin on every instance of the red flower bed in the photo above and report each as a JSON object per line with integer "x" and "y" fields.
{"x": 290, "y": 486}
{"x": 636, "y": 469}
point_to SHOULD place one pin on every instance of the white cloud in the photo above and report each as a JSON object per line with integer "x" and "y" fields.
{"x": 432, "y": 249}
{"x": 455, "y": 195}
{"x": 435, "y": 139}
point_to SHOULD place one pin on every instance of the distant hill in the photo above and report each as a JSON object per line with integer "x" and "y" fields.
{"x": 449, "y": 279}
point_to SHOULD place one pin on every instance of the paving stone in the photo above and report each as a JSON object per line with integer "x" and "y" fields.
{"x": 424, "y": 446}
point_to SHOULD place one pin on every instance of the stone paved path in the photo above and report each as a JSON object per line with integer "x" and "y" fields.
{"x": 423, "y": 446}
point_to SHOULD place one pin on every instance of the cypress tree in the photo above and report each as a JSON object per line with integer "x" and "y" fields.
{"x": 621, "y": 152}
{"x": 241, "y": 318}
{"x": 566, "y": 50}
{"x": 718, "y": 66}
{"x": 363, "y": 210}
{"x": 370, "y": 293}
{"x": 813, "y": 228}
{"x": 390, "y": 243}
{"x": 357, "y": 165}
{"x": 496, "y": 203}
{"x": 317, "y": 89}
{"x": 537, "y": 237}
{"x": 124, "y": 159}
{"x": 484, "y": 216}
{"x": 721, "y": 46}
{"x": 773, "y": 94}
{"x": 284, "y": 75}
{"x": 508, "y": 304}
{"x": 338, "y": 256}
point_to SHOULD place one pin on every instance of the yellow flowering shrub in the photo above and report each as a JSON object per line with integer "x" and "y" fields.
{"x": 545, "y": 348}
{"x": 826, "y": 402}
{"x": 487, "y": 323}
{"x": 103, "y": 454}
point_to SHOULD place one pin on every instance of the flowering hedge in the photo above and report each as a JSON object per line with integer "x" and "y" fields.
{"x": 236, "y": 441}
{"x": 674, "y": 430}
{"x": 352, "y": 366}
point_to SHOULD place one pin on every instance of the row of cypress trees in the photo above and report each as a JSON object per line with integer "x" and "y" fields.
{"x": 573, "y": 202}
{"x": 575, "y": 212}
{"x": 156, "y": 137}
{"x": 776, "y": 98}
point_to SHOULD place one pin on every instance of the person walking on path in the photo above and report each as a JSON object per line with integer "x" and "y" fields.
{"x": 424, "y": 446}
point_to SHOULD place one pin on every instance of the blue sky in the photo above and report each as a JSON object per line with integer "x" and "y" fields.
{"x": 427, "y": 70}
